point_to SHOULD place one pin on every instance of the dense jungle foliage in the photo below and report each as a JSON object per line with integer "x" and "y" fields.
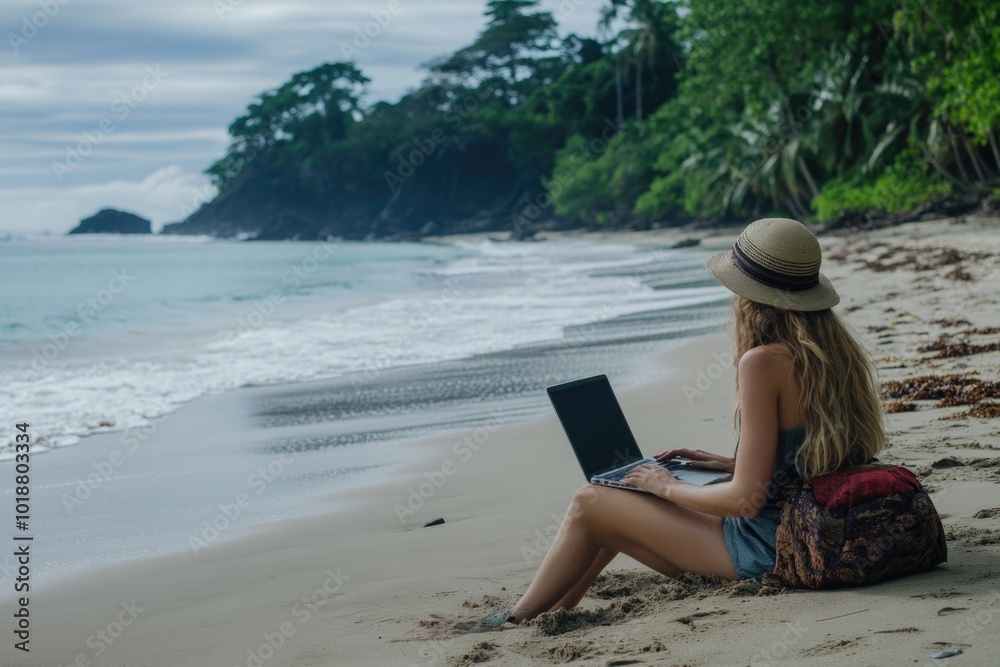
{"x": 688, "y": 110}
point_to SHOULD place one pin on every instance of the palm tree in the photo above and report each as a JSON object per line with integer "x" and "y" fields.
{"x": 651, "y": 39}
{"x": 646, "y": 43}
{"x": 608, "y": 16}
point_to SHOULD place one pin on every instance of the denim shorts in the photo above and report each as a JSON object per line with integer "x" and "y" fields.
{"x": 751, "y": 542}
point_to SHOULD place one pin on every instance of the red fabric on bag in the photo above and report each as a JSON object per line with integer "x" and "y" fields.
{"x": 844, "y": 489}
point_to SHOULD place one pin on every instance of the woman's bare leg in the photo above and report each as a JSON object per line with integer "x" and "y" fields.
{"x": 575, "y": 594}
{"x": 571, "y": 557}
{"x": 602, "y": 521}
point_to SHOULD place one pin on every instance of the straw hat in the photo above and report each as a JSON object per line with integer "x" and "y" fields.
{"x": 775, "y": 261}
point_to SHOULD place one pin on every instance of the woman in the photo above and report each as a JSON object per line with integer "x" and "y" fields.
{"x": 807, "y": 404}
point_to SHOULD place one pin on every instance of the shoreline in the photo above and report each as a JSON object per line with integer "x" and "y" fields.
{"x": 118, "y": 484}
{"x": 352, "y": 588}
{"x": 231, "y": 416}
{"x": 353, "y": 320}
{"x": 371, "y": 517}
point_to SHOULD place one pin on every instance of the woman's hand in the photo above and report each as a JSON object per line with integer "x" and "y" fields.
{"x": 652, "y": 478}
{"x": 700, "y": 459}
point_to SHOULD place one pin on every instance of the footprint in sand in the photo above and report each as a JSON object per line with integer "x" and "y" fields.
{"x": 945, "y": 611}
{"x": 941, "y": 593}
{"x": 689, "y": 620}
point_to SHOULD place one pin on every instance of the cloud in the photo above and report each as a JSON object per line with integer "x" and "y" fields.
{"x": 167, "y": 195}
{"x": 71, "y": 60}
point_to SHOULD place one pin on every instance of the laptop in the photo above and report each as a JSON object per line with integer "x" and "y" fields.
{"x": 602, "y": 440}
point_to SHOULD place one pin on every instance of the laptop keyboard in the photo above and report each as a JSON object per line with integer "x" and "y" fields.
{"x": 617, "y": 475}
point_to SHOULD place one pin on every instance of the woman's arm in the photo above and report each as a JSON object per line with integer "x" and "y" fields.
{"x": 759, "y": 386}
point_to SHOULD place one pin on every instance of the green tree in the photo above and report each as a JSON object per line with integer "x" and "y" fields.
{"x": 735, "y": 109}
{"x": 957, "y": 48}
{"x": 314, "y": 108}
{"x": 597, "y": 182}
{"x": 513, "y": 49}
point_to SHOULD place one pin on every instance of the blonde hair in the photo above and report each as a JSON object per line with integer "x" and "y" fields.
{"x": 839, "y": 400}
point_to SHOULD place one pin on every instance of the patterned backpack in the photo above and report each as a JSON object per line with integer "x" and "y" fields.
{"x": 856, "y": 526}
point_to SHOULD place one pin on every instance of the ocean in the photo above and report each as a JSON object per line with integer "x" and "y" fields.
{"x": 107, "y": 333}
{"x": 316, "y": 364}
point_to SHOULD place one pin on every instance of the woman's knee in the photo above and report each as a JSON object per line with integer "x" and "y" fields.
{"x": 585, "y": 500}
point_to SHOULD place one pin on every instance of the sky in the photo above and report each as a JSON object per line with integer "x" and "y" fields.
{"x": 125, "y": 103}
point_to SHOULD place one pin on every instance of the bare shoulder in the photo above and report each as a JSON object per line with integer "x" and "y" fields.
{"x": 766, "y": 360}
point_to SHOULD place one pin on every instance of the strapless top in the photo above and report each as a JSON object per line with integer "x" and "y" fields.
{"x": 784, "y": 472}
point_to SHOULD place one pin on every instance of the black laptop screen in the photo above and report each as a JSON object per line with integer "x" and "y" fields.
{"x": 595, "y": 424}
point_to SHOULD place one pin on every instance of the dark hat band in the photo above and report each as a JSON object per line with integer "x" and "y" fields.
{"x": 771, "y": 278}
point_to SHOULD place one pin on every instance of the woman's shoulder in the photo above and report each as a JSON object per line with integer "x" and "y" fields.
{"x": 771, "y": 364}
{"x": 766, "y": 356}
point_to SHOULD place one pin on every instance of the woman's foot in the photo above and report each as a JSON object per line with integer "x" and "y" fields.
{"x": 440, "y": 626}
{"x": 494, "y": 621}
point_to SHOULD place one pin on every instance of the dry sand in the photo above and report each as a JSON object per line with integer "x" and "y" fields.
{"x": 352, "y": 588}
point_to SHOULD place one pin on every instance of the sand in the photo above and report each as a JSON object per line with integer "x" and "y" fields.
{"x": 352, "y": 588}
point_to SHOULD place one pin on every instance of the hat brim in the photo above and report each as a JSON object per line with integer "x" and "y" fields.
{"x": 821, "y": 297}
